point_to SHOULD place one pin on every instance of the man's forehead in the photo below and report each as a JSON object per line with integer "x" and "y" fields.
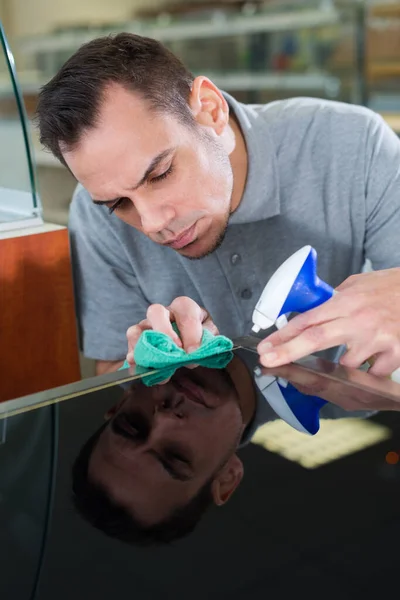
{"x": 116, "y": 95}
{"x": 128, "y": 106}
{"x": 103, "y": 162}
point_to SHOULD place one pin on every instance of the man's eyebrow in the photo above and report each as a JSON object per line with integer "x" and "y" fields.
{"x": 154, "y": 163}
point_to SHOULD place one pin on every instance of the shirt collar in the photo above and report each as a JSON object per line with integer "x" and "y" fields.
{"x": 261, "y": 194}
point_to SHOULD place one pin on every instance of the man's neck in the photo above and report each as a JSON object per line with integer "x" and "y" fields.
{"x": 239, "y": 163}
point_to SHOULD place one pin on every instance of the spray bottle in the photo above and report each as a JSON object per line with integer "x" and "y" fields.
{"x": 294, "y": 287}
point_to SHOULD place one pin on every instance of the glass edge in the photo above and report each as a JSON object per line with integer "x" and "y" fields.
{"x": 22, "y": 114}
{"x": 23, "y": 404}
{"x": 15, "y": 406}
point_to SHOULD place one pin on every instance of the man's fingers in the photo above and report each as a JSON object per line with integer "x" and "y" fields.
{"x": 313, "y": 339}
{"x": 385, "y": 363}
{"x": 159, "y": 318}
{"x": 356, "y": 356}
{"x": 210, "y": 325}
{"x": 132, "y": 335}
{"x": 189, "y": 318}
{"x": 325, "y": 313}
{"x": 191, "y": 331}
{"x": 381, "y": 352}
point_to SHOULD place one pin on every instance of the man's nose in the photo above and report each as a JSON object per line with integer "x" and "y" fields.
{"x": 172, "y": 406}
{"x": 154, "y": 216}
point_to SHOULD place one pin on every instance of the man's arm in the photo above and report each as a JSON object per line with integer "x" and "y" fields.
{"x": 364, "y": 315}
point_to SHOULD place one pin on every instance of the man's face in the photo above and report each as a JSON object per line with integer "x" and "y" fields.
{"x": 172, "y": 182}
{"x": 165, "y": 442}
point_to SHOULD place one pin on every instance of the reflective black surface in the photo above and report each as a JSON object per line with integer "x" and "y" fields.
{"x": 28, "y": 454}
{"x": 203, "y": 451}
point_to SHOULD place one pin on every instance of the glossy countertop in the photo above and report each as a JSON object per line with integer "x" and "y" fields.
{"x": 281, "y": 513}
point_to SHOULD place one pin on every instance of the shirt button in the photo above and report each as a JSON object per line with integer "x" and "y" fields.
{"x": 235, "y": 259}
{"x": 246, "y": 294}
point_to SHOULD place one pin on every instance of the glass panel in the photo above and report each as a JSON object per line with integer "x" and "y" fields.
{"x": 27, "y": 452}
{"x": 322, "y": 508}
{"x": 18, "y": 198}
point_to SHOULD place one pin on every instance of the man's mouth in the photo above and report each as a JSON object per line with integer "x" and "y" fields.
{"x": 183, "y": 239}
{"x": 191, "y": 389}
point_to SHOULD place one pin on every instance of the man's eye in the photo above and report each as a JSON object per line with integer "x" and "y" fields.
{"x": 116, "y": 205}
{"x": 164, "y": 175}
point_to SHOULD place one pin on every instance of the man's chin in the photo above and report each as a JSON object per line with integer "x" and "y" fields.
{"x": 196, "y": 253}
{"x": 201, "y": 248}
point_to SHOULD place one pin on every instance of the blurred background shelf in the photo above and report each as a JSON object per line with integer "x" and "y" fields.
{"x": 385, "y": 9}
{"x": 393, "y": 120}
{"x": 237, "y": 80}
{"x": 220, "y": 25}
{"x": 263, "y": 50}
{"x": 384, "y": 70}
{"x": 315, "y": 82}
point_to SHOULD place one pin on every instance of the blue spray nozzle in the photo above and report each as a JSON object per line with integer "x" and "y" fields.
{"x": 308, "y": 290}
{"x": 294, "y": 287}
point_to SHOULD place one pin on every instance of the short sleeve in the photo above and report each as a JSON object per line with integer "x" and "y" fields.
{"x": 108, "y": 297}
{"x": 382, "y": 195}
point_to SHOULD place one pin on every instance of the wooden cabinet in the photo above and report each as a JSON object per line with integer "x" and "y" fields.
{"x": 38, "y": 334}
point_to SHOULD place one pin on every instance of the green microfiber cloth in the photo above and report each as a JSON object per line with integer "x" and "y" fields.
{"x": 158, "y": 351}
{"x": 218, "y": 361}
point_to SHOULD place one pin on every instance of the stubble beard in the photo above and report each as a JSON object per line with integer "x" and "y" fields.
{"x": 214, "y": 245}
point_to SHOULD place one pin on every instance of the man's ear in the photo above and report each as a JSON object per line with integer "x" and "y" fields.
{"x": 227, "y": 480}
{"x": 208, "y": 105}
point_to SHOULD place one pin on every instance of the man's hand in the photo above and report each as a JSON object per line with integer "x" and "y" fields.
{"x": 364, "y": 316}
{"x": 189, "y": 317}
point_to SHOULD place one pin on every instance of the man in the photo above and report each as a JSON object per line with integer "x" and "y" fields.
{"x": 182, "y": 171}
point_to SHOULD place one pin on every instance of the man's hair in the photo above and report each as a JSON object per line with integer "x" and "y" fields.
{"x": 95, "y": 505}
{"x": 70, "y": 103}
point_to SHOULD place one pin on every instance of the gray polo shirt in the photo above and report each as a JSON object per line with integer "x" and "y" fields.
{"x": 320, "y": 173}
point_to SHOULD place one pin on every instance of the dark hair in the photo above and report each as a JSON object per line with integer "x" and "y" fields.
{"x": 95, "y": 505}
{"x": 70, "y": 103}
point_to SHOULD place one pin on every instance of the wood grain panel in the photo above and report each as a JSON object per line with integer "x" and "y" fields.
{"x": 38, "y": 335}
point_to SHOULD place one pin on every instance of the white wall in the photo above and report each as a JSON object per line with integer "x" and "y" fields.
{"x": 29, "y": 17}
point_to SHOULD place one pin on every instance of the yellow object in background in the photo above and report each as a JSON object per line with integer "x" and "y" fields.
{"x": 336, "y": 439}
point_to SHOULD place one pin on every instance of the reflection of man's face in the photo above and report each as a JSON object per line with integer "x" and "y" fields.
{"x": 165, "y": 442}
